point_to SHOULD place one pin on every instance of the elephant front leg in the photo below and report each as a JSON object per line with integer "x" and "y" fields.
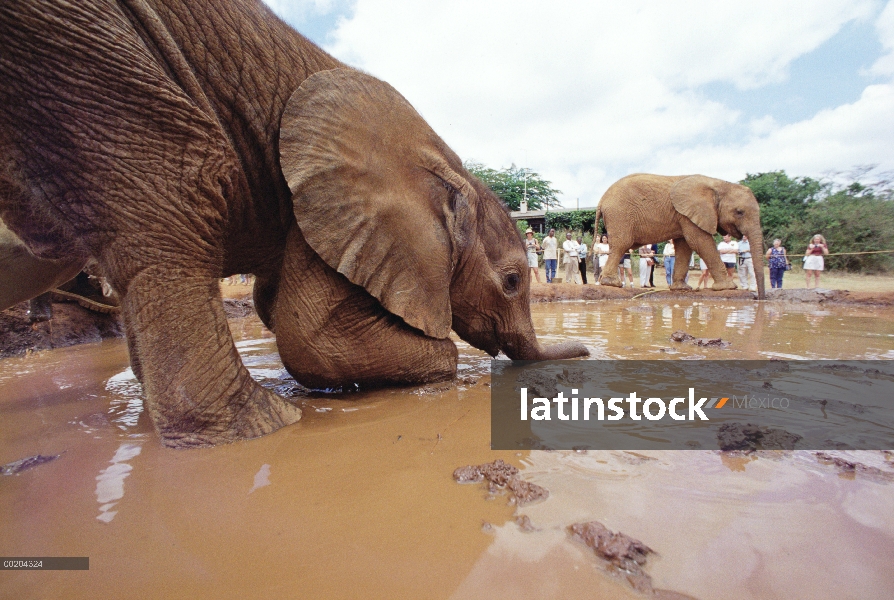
{"x": 681, "y": 265}
{"x": 333, "y": 333}
{"x": 198, "y": 392}
{"x": 610, "y": 270}
{"x": 703, "y": 243}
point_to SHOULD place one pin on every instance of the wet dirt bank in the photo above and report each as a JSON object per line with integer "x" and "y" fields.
{"x": 542, "y": 292}
{"x": 71, "y": 324}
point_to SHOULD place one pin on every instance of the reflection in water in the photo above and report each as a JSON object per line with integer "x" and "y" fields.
{"x": 110, "y": 481}
{"x": 127, "y": 400}
{"x": 262, "y": 478}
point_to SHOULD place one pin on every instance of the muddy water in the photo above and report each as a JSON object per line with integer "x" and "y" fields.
{"x": 357, "y": 499}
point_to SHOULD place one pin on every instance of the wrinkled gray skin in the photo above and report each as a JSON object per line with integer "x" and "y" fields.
{"x": 178, "y": 142}
{"x": 689, "y": 209}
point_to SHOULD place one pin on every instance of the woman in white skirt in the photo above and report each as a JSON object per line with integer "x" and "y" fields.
{"x": 600, "y": 251}
{"x": 532, "y": 246}
{"x": 646, "y": 262}
{"x": 813, "y": 259}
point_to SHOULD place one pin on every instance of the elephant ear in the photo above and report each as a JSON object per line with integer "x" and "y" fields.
{"x": 373, "y": 194}
{"x": 697, "y": 197}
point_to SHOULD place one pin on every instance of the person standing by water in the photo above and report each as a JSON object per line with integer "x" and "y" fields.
{"x": 669, "y": 260}
{"x": 582, "y": 259}
{"x": 654, "y": 264}
{"x": 813, "y": 259}
{"x": 532, "y": 247}
{"x": 706, "y": 274}
{"x": 550, "y": 254}
{"x": 600, "y": 257}
{"x": 569, "y": 249}
{"x": 777, "y": 259}
{"x": 746, "y": 266}
{"x": 626, "y": 265}
{"x": 728, "y": 250}
{"x": 646, "y": 262}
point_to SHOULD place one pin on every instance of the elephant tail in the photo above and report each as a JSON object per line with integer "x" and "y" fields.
{"x": 596, "y": 222}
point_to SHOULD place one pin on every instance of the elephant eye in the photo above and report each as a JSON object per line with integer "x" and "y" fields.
{"x": 512, "y": 281}
{"x": 740, "y": 212}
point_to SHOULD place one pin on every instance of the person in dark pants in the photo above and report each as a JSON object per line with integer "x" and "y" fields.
{"x": 655, "y": 260}
{"x": 582, "y": 260}
{"x": 777, "y": 259}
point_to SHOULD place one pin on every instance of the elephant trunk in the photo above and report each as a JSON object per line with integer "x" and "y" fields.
{"x": 525, "y": 346}
{"x": 756, "y": 238}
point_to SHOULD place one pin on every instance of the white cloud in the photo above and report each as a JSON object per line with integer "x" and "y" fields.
{"x": 837, "y": 139}
{"x": 584, "y": 92}
{"x": 885, "y": 27}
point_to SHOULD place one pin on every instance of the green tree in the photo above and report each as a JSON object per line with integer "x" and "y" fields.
{"x": 574, "y": 221}
{"x": 783, "y": 200}
{"x": 510, "y": 183}
{"x": 855, "y": 218}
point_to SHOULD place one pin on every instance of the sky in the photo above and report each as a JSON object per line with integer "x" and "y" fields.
{"x": 586, "y": 92}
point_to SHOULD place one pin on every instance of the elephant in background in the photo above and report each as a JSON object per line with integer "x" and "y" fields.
{"x": 689, "y": 209}
{"x": 178, "y": 142}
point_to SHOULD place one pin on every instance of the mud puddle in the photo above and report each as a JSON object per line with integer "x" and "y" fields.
{"x": 358, "y": 499}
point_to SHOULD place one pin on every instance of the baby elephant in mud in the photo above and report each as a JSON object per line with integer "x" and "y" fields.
{"x": 689, "y": 209}
{"x": 179, "y": 142}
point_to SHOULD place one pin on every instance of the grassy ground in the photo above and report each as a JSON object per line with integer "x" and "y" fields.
{"x": 793, "y": 279}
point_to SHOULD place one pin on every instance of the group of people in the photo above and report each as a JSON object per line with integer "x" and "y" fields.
{"x": 736, "y": 257}
{"x": 814, "y": 263}
{"x": 574, "y": 257}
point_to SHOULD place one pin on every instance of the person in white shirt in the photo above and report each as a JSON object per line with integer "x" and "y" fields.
{"x": 569, "y": 248}
{"x": 669, "y": 260}
{"x": 550, "y": 247}
{"x": 582, "y": 259}
{"x": 728, "y": 250}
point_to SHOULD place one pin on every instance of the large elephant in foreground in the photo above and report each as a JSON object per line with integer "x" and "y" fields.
{"x": 178, "y": 142}
{"x": 689, "y": 209}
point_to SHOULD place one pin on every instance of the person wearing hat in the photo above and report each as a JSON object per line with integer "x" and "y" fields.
{"x": 532, "y": 246}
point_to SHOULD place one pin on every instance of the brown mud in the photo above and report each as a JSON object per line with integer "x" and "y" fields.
{"x": 358, "y": 498}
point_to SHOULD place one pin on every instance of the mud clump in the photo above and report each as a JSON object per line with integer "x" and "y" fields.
{"x": 619, "y": 549}
{"x": 14, "y": 468}
{"x": 623, "y": 555}
{"x": 749, "y": 438}
{"x": 501, "y": 476}
{"x": 236, "y": 308}
{"x": 71, "y": 325}
{"x": 682, "y": 336}
{"x": 541, "y": 383}
{"x": 845, "y": 466}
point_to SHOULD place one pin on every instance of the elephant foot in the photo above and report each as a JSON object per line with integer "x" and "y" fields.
{"x": 681, "y": 286}
{"x": 720, "y": 285}
{"x": 609, "y": 280}
{"x": 262, "y": 412}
